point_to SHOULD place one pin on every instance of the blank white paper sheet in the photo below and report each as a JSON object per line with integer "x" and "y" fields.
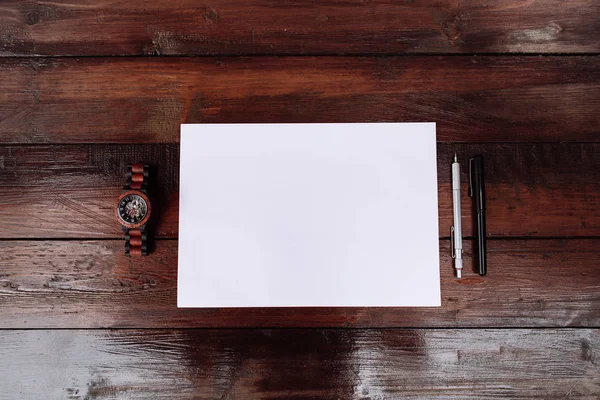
{"x": 278, "y": 215}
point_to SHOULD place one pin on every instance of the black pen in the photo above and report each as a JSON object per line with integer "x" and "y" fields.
{"x": 477, "y": 191}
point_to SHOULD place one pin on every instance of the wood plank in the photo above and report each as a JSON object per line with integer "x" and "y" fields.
{"x": 301, "y": 364}
{"x": 236, "y": 27}
{"x": 143, "y": 100}
{"x": 70, "y": 191}
{"x": 91, "y": 284}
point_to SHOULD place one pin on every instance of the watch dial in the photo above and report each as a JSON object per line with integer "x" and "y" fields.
{"x": 132, "y": 209}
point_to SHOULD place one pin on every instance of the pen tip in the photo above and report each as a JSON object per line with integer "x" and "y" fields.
{"x": 455, "y": 159}
{"x": 458, "y": 273}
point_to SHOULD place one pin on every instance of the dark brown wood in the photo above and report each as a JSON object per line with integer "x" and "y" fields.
{"x": 67, "y": 192}
{"x": 301, "y": 364}
{"x": 237, "y": 27}
{"x": 143, "y": 100}
{"x": 71, "y": 191}
{"x": 92, "y": 284}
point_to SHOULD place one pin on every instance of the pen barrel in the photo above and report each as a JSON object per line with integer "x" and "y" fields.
{"x": 458, "y": 263}
{"x": 457, "y": 223}
{"x": 457, "y": 227}
{"x": 481, "y": 245}
{"x": 476, "y": 182}
{"x": 455, "y": 176}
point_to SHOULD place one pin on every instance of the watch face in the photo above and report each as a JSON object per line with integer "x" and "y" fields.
{"x": 132, "y": 209}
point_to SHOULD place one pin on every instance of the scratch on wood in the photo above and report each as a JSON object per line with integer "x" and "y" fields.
{"x": 537, "y": 35}
{"x": 68, "y": 5}
{"x": 82, "y": 210}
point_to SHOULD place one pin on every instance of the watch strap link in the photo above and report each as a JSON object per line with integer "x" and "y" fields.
{"x": 137, "y": 177}
{"x": 136, "y": 242}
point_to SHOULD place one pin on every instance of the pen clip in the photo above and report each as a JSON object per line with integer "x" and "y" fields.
{"x": 452, "y": 242}
{"x": 471, "y": 177}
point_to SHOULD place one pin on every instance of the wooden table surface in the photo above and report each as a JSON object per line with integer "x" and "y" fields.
{"x": 88, "y": 87}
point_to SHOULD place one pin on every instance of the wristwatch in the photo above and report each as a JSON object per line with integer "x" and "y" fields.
{"x": 134, "y": 209}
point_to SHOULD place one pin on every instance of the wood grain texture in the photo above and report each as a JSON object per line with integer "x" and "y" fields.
{"x": 143, "y": 100}
{"x": 71, "y": 191}
{"x": 301, "y": 364}
{"x": 238, "y": 27}
{"x": 92, "y": 284}
{"x": 69, "y": 126}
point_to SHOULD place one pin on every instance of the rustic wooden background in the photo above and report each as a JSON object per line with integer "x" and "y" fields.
{"x": 87, "y": 87}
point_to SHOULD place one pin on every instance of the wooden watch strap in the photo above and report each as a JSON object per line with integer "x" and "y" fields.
{"x": 136, "y": 240}
{"x": 137, "y": 177}
{"x": 136, "y": 243}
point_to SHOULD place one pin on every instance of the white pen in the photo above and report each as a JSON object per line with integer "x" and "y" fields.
{"x": 456, "y": 231}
